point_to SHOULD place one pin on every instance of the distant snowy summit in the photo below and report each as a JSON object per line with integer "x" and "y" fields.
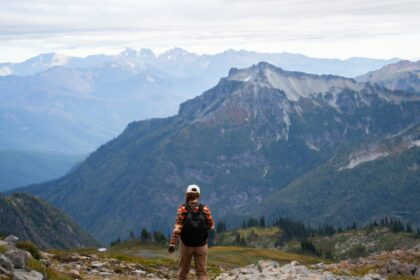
{"x": 180, "y": 62}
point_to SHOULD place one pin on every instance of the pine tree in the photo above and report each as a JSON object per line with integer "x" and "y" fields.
{"x": 262, "y": 222}
{"x": 145, "y": 235}
{"x": 131, "y": 235}
{"x": 238, "y": 239}
{"x": 220, "y": 227}
{"x": 159, "y": 237}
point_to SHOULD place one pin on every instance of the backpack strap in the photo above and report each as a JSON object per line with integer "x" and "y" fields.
{"x": 187, "y": 206}
{"x": 200, "y": 207}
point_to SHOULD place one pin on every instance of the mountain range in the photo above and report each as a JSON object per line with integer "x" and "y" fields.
{"x": 54, "y": 102}
{"x": 263, "y": 141}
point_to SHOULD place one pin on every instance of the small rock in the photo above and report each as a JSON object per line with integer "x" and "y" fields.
{"x": 45, "y": 262}
{"x": 74, "y": 274}
{"x": 113, "y": 261}
{"x": 373, "y": 277}
{"x": 46, "y": 255}
{"x": 140, "y": 272}
{"x": 97, "y": 264}
{"x": 294, "y": 263}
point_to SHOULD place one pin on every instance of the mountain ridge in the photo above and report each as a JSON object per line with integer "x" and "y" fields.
{"x": 31, "y": 218}
{"x": 240, "y": 142}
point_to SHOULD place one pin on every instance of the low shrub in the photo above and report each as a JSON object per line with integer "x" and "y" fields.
{"x": 30, "y": 247}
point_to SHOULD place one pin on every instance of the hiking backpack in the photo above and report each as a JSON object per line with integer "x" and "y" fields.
{"x": 194, "y": 232}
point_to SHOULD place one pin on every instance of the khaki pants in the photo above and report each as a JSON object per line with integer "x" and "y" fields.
{"x": 200, "y": 260}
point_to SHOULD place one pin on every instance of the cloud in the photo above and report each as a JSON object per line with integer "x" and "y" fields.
{"x": 83, "y": 27}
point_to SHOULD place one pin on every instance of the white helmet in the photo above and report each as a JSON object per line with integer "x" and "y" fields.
{"x": 193, "y": 189}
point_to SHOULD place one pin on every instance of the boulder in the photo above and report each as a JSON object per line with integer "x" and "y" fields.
{"x": 417, "y": 271}
{"x": 11, "y": 240}
{"x": 395, "y": 267}
{"x": 20, "y": 274}
{"x": 5, "y": 272}
{"x": 6, "y": 263}
{"x": 17, "y": 257}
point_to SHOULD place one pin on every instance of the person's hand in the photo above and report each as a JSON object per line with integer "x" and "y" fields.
{"x": 171, "y": 249}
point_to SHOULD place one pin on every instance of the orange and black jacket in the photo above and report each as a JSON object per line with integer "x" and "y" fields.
{"x": 181, "y": 214}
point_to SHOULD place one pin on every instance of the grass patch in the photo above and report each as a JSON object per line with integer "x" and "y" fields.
{"x": 48, "y": 272}
{"x": 35, "y": 265}
{"x": 265, "y": 237}
{"x": 30, "y": 247}
{"x": 230, "y": 257}
{"x": 402, "y": 277}
{"x": 3, "y": 249}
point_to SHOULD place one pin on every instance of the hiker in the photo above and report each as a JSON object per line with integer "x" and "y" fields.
{"x": 193, "y": 221}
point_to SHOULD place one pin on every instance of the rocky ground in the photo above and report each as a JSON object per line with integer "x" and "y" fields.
{"x": 402, "y": 263}
{"x": 92, "y": 266}
{"x": 397, "y": 262}
{"x": 19, "y": 264}
{"x": 13, "y": 262}
{"x": 295, "y": 271}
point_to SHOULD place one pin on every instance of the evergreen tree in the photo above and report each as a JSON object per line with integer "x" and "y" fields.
{"x": 145, "y": 235}
{"x": 159, "y": 237}
{"x": 308, "y": 246}
{"x": 252, "y": 222}
{"x": 220, "y": 227}
{"x": 131, "y": 235}
{"x": 262, "y": 222}
{"x": 237, "y": 239}
{"x": 115, "y": 242}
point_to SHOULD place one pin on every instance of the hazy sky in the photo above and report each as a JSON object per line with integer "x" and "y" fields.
{"x": 320, "y": 28}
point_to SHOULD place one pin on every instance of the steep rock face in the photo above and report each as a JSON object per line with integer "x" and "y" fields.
{"x": 241, "y": 141}
{"x": 33, "y": 219}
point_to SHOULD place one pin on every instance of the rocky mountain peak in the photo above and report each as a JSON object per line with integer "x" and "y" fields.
{"x": 177, "y": 54}
{"x": 264, "y": 85}
{"x": 129, "y": 52}
{"x": 403, "y": 75}
{"x": 295, "y": 85}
